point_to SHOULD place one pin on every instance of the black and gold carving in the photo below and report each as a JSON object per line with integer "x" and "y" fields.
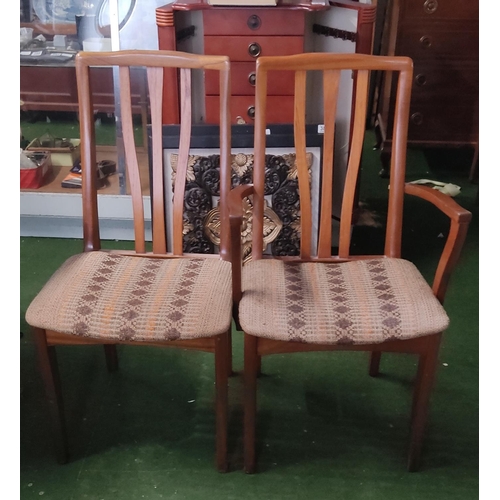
{"x": 202, "y": 219}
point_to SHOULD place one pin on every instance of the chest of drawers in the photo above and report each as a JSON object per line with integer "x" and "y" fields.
{"x": 442, "y": 38}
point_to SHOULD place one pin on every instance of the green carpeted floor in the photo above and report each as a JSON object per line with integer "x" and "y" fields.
{"x": 326, "y": 429}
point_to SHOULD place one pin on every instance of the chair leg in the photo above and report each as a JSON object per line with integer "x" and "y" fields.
{"x": 250, "y": 401}
{"x": 111, "y": 357}
{"x": 423, "y": 387}
{"x": 221, "y": 401}
{"x": 50, "y": 376}
{"x": 259, "y": 366}
{"x": 374, "y": 363}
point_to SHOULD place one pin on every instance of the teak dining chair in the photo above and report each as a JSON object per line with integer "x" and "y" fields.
{"x": 156, "y": 297}
{"x": 333, "y": 300}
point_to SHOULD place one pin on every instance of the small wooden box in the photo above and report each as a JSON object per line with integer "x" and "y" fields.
{"x": 60, "y": 157}
{"x": 33, "y": 178}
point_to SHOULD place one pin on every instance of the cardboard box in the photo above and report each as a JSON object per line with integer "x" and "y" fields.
{"x": 33, "y": 178}
{"x": 60, "y": 157}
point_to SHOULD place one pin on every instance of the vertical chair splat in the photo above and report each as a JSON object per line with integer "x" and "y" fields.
{"x": 302, "y": 170}
{"x": 331, "y": 83}
{"x": 155, "y": 86}
{"x": 356, "y": 147}
{"x": 180, "y": 176}
{"x": 132, "y": 164}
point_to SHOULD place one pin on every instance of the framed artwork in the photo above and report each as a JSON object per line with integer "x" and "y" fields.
{"x": 282, "y": 211}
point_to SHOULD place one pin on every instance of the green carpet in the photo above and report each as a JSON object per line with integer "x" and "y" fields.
{"x": 326, "y": 429}
{"x": 37, "y": 123}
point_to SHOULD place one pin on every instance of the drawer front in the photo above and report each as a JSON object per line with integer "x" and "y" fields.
{"x": 450, "y": 83}
{"x": 443, "y": 123}
{"x": 279, "y": 109}
{"x": 48, "y": 84}
{"x": 438, "y": 41}
{"x": 54, "y": 88}
{"x": 243, "y": 81}
{"x": 440, "y": 9}
{"x": 241, "y": 22}
{"x": 248, "y": 48}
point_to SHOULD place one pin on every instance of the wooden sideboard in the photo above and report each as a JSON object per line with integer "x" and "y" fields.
{"x": 442, "y": 38}
{"x": 53, "y": 88}
{"x": 244, "y": 34}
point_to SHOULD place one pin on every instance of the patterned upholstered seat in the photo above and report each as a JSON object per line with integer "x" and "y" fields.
{"x": 357, "y": 302}
{"x": 115, "y": 297}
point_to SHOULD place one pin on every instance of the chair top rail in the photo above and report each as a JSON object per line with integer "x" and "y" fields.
{"x": 324, "y": 61}
{"x": 157, "y": 58}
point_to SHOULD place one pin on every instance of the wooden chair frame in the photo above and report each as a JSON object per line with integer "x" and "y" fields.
{"x": 156, "y": 62}
{"x": 426, "y": 347}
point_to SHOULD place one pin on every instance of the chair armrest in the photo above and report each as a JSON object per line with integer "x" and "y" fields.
{"x": 235, "y": 208}
{"x": 459, "y": 224}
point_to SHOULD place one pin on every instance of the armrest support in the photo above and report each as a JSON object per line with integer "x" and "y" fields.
{"x": 459, "y": 224}
{"x": 235, "y": 208}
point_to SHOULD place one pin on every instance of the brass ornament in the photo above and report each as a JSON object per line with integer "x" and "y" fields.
{"x": 174, "y": 160}
{"x": 291, "y": 161}
{"x": 272, "y": 227}
{"x": 240, "y": 163}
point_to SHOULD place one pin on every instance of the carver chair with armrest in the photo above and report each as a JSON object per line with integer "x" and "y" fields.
{"x": 330, "y": 299}
{"x": 156, "y": 297}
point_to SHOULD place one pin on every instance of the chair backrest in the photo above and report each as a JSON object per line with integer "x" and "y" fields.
{"x": 319, "y": 247}
{"x": 155, "y": 63}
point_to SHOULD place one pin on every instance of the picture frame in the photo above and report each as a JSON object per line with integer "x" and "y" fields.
{"x": 282, "y": 228}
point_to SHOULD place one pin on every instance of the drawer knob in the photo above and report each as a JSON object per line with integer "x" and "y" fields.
{"x": 426, "y": 41}
{"x": 251, "y": 112}
{"x": 417, "y": 118}
{"x": 240, "y": 120}
{"x": 430, "y": 6}
{"x": 254, "y": 49}
{"x": 254, "y": 22}
{"x": 251, "y": 78}
{"x": 420, "y": 79}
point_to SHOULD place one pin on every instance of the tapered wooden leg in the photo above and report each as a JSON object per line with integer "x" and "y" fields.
{"x": 374, "y": 363}
{"x": 50, "y": 375}
{"x": 250, "y": 402}
{"x": 111, "y": 357}
{"x": 259, "y": 365}
{"x": 221, "y": 401}
{"x": 423, "y": 387}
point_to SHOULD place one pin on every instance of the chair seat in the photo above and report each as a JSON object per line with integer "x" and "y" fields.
{"x": 109, "y": 296}
{"x": 357, "y": 302}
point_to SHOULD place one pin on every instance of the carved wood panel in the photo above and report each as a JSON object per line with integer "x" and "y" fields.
{"x": 201, "y": 213}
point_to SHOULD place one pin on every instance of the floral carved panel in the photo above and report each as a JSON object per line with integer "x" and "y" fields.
{"x": 281, "y": 214}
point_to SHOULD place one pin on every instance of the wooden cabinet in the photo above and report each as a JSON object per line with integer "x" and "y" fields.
{"x": 246, "y": 33}
{"x": 442, "y": 38}
{"x": 53, "y": 88}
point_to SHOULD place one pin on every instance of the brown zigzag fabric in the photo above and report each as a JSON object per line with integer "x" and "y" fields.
{"x": 109, "y": 296}
{"x": 358, "y": 302}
